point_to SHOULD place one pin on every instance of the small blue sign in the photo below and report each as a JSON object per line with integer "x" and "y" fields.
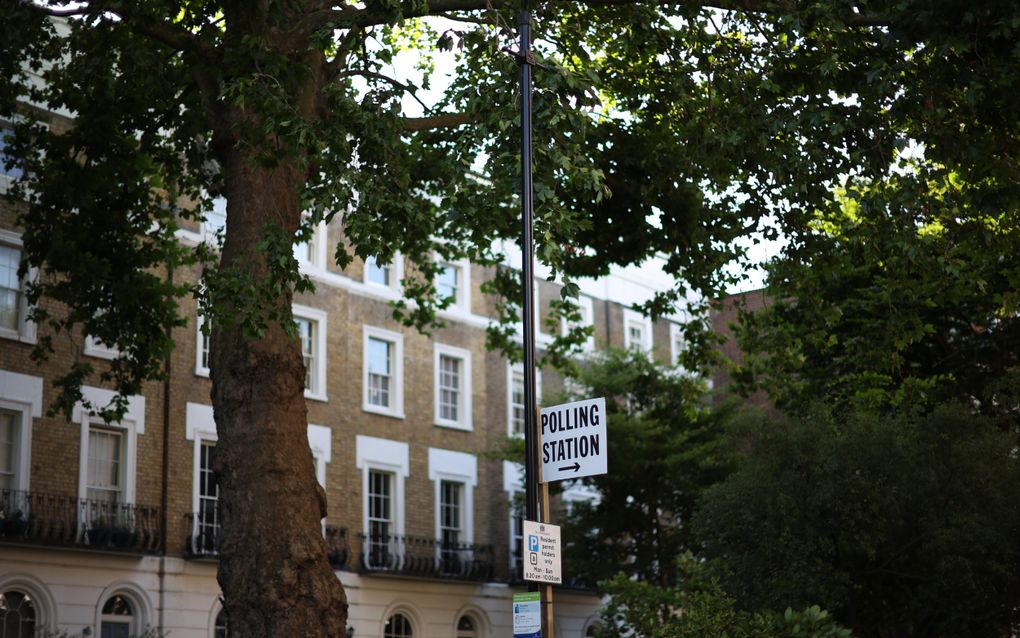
{"x": 532, "y": 543}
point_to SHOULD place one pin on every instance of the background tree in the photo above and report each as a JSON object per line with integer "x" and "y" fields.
{"x": 904, "y": 294}
{"x": 696, "y": 606}
{"x": 666, "y": 448}
{"x": 900, "y": 524}
{"x": 285, "y": 108}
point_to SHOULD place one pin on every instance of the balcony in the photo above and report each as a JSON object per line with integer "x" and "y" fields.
{"x": 422, "y": 557}
{"x": 203, "y": 539}
{"x": 65, "y": 521}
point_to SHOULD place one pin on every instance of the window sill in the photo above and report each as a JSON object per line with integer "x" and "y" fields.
{"x": 375, "y": 409}
{"x": 316, "y": 397}
{"x": 453, "y": 425}
{"x": 15, "y": 335}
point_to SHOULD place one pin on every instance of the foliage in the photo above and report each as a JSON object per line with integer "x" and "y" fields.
{"x": 659, "y": 129}
{"x": 757, "y": 113}
{"x": 901, "y": 524}
{"x": 697, "y": 607}
{"x": 905, "y": 295}
{"x": 666, "y": 448}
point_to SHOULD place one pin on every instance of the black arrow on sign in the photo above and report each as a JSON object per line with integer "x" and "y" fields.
{"x": 576, "y": 466}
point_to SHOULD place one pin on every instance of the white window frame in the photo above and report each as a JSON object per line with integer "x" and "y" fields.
{"x": 676, "y": 334}
{"x": 464, "y": 401}
{"x": 511, "y": 369}
{"x": 396, "y": 274}
{"x": 320, "y": 441}
{"x": 6, "y": 181}
{"x": 200, "y": 370}
{"x": 22, "y": 395}
{"x": 456, "y": 467}
{"x": 200, "y": 427}
{"x": 132, "y": 425}
{"x": 142, "y": 607}
{"x": 318, "y": 317}
{"x": 513, "y": 484}
{"x": 26, "y": 330}
{"x": 317, "y": 252}
{"x": 396, "y": 341}
{"x": 383, "y": 455}
{"x": 586, "y": 306}
{"x": 634, "y": 318}
{"x": 96, "y": 348}
{"x": 461, "y": 305}
{"x": 219, "y": 211}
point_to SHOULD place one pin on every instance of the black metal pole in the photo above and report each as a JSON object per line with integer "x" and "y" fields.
{"x": 527, "y": 274}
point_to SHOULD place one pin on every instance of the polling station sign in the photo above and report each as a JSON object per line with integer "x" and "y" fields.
{"x": 573, "y": 440}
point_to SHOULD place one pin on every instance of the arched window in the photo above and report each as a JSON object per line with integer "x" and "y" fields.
{"x": 220, "y": 629}
{"x": 593, "y": 630}
{"x": 17, "y": 615}
{"x": 118, "y": 619}
{"x": 466, "y": 627}
{"x": 398, "y": 626}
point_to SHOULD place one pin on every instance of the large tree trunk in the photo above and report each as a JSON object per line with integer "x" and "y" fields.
{"x": 274, "y": 571}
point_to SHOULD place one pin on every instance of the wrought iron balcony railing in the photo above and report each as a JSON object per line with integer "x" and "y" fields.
{"x": 66, "y": 521}
{"x": 202, "y": 536}
{"x": 423, "y": 557}
{"x": 203, "y": 539}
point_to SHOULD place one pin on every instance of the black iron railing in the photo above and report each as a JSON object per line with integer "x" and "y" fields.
{"x": 203, "y": 536}
{"x": 66, "y": 521}
{"x": 424, "y": 557}
{"x": 203, "y": 539}
{"x": 339, "y": 547}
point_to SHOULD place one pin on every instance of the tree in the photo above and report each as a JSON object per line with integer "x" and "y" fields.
{"x": 697, "y": 606}
{"x": 901, "y": 525}
{"x": 905, "y": 294}
{"x": 666, "y": 449}
{"x": 284, "y": 108}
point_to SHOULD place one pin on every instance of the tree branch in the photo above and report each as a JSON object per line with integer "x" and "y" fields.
{"x": 171, "y": 35}
{"x": 443, "y": 120}
{"x": 367, "y": 17}
{"x": 385, "y": 78}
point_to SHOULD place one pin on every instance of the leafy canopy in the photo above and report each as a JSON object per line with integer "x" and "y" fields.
{"x": 900, "y": 524}
{"x": 666, "y": 449}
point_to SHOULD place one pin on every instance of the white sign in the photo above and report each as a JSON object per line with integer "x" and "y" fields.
{"x": 573, "y": 437}
{"x": 527, "y": 615}
{"x": 542, "y": 553}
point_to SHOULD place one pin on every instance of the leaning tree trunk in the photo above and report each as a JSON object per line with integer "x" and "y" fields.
{"x": 274, "y": 571}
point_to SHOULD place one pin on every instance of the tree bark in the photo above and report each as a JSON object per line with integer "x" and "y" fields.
{"x": 274, "y": 570}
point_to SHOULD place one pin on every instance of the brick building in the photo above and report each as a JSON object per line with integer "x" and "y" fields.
{"x": 109, "y": 529}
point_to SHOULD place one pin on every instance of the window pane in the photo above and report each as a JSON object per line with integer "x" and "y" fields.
{"x": 104, "y": 464}
{"x": 8, "y": 450}
{"x": 448, "y": 282}
{"x": 380, "y": 518}
{"x": 221, "y": 629}
{"x": 375, "y": 273}
{"x": 14, "y": 172}
{"x": 10, "y": 287}
{"x": 17, "y": 615}
{"x": 379, "y": 371}
{"x": 115, "y": 629}
{"x": 206, "y": 338}
{"x": 208, "y": 500}
{"x": 517, "y": 401}
{"x": 398, "y": 626}
{"x": 449, "y": 387}
{"x": 306, "y": 335}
